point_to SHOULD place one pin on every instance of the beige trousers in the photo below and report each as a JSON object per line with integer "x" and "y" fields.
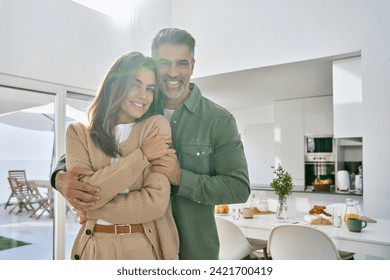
{"x": 109, "y": 246}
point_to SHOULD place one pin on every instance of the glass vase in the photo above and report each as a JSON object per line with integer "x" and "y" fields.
{"x": 281, "y": 210}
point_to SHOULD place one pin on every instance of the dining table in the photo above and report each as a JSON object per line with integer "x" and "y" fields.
{"x": 373, "y": 240}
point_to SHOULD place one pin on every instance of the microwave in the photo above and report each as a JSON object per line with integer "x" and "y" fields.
{"x": 317, "y": 146}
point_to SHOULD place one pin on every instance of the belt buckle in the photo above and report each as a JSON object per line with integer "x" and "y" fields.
{"x": 116, "y": 231}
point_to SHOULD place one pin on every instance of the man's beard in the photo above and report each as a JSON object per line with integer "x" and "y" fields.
{"x": 170, "y": 93}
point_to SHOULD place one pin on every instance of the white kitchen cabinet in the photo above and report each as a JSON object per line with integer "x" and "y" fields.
{"x": 294, "y": 119}
{"x": 347, "y": 98}
{"x": 318, "y": 115}
{"x": 289, "y": 138}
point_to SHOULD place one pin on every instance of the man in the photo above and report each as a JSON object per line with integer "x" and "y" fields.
{"x": 209, "y": 166}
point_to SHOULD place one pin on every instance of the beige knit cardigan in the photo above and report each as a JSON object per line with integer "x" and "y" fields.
{"x": 148, "y": 200}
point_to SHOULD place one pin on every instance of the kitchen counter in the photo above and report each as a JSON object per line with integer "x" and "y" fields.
{"x": 299, "y": 189}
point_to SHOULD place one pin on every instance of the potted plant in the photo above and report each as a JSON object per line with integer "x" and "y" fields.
{"x": 282, "y": 185}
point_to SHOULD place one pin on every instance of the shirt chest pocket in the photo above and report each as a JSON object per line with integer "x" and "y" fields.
{"x": 197, "y": 158}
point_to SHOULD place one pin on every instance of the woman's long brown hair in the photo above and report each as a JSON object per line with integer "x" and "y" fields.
{"x": 104, "y": 108}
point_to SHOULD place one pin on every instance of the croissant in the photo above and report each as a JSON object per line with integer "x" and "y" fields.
{"x": 317, "y": 209}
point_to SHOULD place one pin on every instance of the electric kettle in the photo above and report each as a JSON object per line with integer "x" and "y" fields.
{"x": 358, "y": 183}
{"x": 343, "y": 180}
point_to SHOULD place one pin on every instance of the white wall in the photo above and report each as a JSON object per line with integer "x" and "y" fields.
{"x": 256, "y": 129}
{"x": 62, "y": 42}
{"x": 252, "y": 116}
{"x": 256, "y": 33}
{"x": 260, "y": 150}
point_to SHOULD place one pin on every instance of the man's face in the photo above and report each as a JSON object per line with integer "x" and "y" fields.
{"x": 175, "y": 67}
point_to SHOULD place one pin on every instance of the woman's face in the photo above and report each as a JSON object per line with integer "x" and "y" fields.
{"x": 139, "y": 98}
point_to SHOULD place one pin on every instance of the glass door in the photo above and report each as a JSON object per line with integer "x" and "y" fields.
{"x": 26, "y": 152}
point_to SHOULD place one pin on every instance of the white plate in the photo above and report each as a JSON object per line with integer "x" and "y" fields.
{"x": 223, "y": 214}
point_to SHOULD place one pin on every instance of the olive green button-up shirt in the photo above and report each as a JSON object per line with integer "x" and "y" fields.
{"x": 214, "y": 171}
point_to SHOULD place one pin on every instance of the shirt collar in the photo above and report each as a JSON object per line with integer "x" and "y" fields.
{"x": 193, "y": 100}
{"x": 191, "y": 103}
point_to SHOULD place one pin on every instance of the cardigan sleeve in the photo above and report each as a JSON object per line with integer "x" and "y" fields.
{"x": 138, "y": 206}
{"x": 111, "y": 179}
{"x": 147, "y": 203}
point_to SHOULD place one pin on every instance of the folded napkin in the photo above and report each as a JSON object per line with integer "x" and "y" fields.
{"x": 317, "y": 219}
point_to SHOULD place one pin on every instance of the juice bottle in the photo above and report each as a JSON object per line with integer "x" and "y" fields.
{"x": 352, "y": 210}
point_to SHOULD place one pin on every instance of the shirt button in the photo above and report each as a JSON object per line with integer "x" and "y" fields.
{"x": 174, "y": 122}
{"x": 76, "y": 257}
{"x": 197, "y": 153}
{"x": 88, "y": 232}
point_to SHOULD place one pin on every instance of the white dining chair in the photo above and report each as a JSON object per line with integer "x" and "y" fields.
{"x": 300, "y": 242}
{"x": 233, "y": 244}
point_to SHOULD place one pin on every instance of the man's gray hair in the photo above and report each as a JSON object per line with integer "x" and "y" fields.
{"x": 173, "y": 36}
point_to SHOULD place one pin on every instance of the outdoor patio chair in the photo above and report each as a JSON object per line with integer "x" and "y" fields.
{"x": 20, "y": 176}
{"x": 21, "y": 194}
{"x": 29, "y": 194}
{"x": 12, "y": 199}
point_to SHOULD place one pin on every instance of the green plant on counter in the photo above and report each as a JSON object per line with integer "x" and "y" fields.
{"x": 282, "y": 183}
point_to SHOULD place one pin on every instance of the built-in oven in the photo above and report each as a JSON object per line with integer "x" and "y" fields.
{"x": 320, "y": 159}
{"x": 323, "y": 169}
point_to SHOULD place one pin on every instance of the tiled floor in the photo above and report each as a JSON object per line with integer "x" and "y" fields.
{"x": 37, "y": 232}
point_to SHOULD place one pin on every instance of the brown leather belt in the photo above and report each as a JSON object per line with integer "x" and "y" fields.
{"x": 119, "y": 229}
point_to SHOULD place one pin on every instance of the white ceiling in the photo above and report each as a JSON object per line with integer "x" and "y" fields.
{"x": 262, "y": 86}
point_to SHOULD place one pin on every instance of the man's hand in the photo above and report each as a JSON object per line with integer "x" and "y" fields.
{"x": 168, "y": 165}
{"x": 157, "y": 146}
{"x": 81, "y": 195}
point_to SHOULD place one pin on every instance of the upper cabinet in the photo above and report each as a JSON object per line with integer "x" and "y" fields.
{"x": 318, "y": 115}
{"x": 347, "y": 98}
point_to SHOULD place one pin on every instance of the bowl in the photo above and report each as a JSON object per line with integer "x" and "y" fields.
{"x": 321, "y": 187}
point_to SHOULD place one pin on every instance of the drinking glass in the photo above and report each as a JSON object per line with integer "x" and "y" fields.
{"x": 337, "y": 219}
{"x": 236, "y": 213}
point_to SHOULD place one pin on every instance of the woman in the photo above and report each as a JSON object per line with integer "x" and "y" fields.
{"x": 133, "y": 218}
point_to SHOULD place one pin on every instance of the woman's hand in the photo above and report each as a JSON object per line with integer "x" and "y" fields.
{"x": 157, "y": 146}
{"x": 83, "y": 216}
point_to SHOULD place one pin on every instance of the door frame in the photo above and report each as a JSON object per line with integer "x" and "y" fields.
{"x": 60, "y": 92}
